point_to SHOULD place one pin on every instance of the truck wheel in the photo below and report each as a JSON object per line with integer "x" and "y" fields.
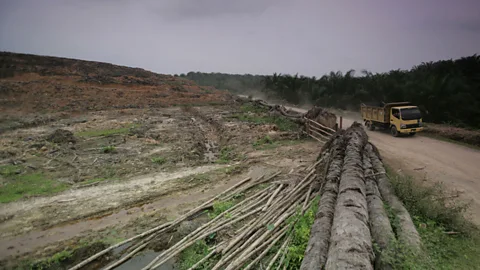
{"x": 370, "y": 125}
{"x": 394, "y": 131}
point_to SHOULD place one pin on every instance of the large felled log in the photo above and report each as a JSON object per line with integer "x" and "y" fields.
{"x": 322, "y": 116}
{"x": 317, "y": 248}
{"x": 380, "y": 227}
{"x": 406, "y": 232}
{"x": 351, "y": 242}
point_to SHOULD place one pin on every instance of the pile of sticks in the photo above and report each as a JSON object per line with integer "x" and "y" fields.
{"x": 259, "y": 221}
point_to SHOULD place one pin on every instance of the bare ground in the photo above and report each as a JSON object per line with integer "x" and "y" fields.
{"x": 125, "y": 190}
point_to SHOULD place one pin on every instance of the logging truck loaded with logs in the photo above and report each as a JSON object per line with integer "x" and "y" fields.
{"x": 398, "y": 117}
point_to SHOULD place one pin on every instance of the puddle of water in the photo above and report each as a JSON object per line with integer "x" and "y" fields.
{"x": 144, "y": 258}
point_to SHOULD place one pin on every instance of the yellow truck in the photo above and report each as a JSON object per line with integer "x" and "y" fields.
{"x": 398, "y": 117}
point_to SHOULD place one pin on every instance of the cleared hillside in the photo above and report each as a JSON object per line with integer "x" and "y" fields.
{"x": 41, "y": 84}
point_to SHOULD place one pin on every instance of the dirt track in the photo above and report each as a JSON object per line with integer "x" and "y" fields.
{"x": 433, "y": 161}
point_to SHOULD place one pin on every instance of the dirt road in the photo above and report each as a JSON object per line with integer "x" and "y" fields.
{"x": 456, "y": 166}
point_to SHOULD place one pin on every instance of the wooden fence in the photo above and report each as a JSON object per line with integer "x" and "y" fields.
{"x": 318, "y": 131}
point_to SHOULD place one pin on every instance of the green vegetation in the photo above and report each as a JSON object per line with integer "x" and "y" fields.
{"x": 18, "y": 186}
{"x": 227, "y": 154}
{"x": 10, "y": 170}
{"x": 108, "y": 149}
{"x": 235, "y": 169}
{"x": 106, "y": 132}
{"x": 219, "y": 207}
{"x": 112, "y": 238}
{"x": 445, "y": 91}
{"x": 159, "y": 160}
{"x": 436, "y": 216}
{"x": 196, "y": 179}
{"x": 263, "y": 141}
{"x": 252, "y": 108}
{"x": 193, "y": 254}
{"x": 54, "y": 262}
{"x": 300, "y": 235}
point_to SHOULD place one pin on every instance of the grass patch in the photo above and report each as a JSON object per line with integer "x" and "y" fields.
{"x": 54, "y": 262}
{"x": 434, "y": 214}
{"x": 219, "y": 207}
{"x": 300, "y": 235}
{"x": 159, "y": 160}
{"x": 108, "y": 149}
{"x": 263, "y": 141}
{"x": 106, "y": 132}
{"x": 193, "y": 254}
{"x": 10, "y": 170}
{"x": 112, "y": 238}
{"x": 254, "y": 114}
{"x": 235, "y": 169}
{"x": 227, "y": 154}
{"x": 252, "y": 108}
{"x": 26, "y": 185}
{"x": 196, "y": 179}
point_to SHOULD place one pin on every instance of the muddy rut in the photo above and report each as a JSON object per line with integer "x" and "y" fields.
{"x": 351, "y": 217}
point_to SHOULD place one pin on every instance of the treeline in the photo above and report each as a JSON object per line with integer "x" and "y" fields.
{"x": 446, "y": 91}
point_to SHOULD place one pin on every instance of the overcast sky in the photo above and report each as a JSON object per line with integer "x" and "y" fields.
{"x": 310, "y": 37}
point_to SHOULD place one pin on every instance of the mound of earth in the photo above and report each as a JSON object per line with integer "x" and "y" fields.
{"x": 61, "y": 136}
{"x": 32, "y": 84}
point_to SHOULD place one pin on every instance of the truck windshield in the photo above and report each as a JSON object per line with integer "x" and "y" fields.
{"x": 411, "y": 114}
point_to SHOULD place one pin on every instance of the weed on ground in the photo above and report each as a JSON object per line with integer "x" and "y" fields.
{"x": 19, "y": 185}
{"x": 194, "y": 254}
{"x": 300, "y": 235}
{"x": 106, "y": 132}
{"x": 227, "y": 154}
{"x": 449, "y": 240}
{"x": 159, "y": 160}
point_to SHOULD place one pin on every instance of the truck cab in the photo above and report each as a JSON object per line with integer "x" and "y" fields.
{"x": 405, "y": 120}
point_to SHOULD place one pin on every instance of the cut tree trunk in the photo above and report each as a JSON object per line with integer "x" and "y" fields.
{"x": 380, "y": 227}
{"x": 317, "y": 248}
{"x": 351, "y": 242}
{"x": 406, "y": 232}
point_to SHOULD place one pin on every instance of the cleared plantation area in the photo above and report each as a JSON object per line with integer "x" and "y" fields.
{"x": 254, "y": 222}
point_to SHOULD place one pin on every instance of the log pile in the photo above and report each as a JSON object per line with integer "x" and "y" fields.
{"x": 316, "y": 114}
{"x": 351, "y": 214}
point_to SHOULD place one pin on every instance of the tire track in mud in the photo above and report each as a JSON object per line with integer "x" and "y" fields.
{"x": 207, "y": 133}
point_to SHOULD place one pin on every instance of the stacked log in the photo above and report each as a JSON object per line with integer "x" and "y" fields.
{"x": 351, "y": 217}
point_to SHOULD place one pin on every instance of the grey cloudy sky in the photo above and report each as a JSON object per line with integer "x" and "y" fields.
{"x": 311, "y": 37}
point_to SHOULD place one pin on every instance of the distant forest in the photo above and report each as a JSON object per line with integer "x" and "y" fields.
{"x": 446, "y": 91}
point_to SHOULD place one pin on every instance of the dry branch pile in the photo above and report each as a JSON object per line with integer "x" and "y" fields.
{"x": 255, "y": 224}
{"x": 316, "y": 114}
{"x": 351, "y": 214}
